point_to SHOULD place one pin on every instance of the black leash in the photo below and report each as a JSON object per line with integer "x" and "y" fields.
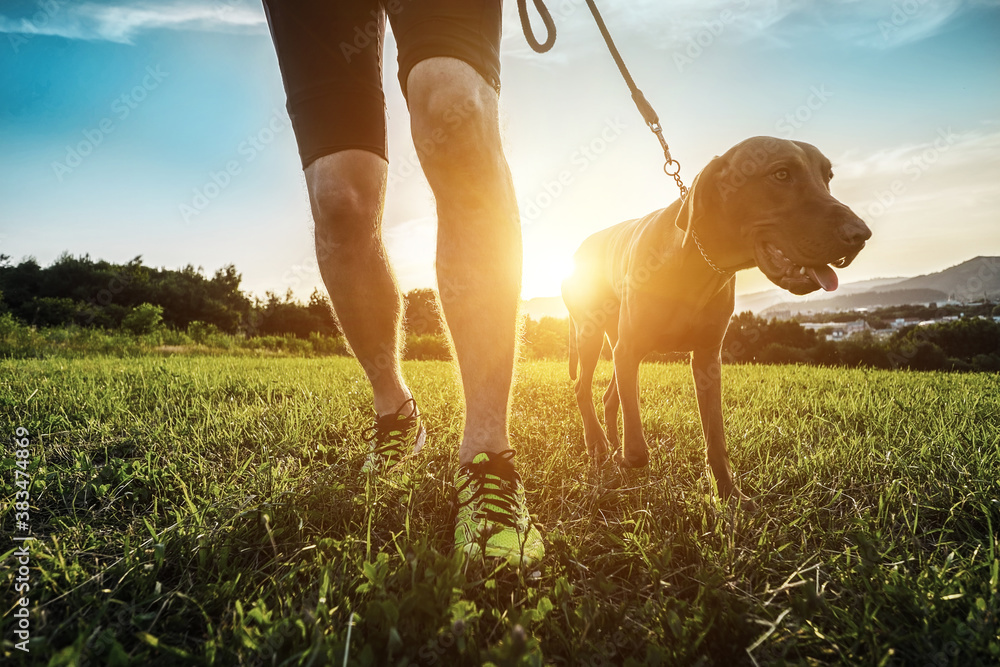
{"x": 671, "y": 167}
{"x": 550, "y": 26}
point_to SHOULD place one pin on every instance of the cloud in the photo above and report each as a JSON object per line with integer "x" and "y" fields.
{"x": 946, "y": 149}
{"x": 121, "y": 23}
{"x": 870, "y": 23}
{"x": 929, "y": 198}
{"x": 876, "y": 24}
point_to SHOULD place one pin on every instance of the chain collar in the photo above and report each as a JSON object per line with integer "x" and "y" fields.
{"x": 704, "y": 255}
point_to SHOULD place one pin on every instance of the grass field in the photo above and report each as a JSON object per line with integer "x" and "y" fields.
{"x": 209, "y": 510}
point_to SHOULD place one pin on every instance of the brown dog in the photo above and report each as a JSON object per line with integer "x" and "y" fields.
{"x": 666, "y": 282}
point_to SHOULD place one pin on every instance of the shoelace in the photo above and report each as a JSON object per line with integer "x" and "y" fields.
{"x": 499, "y": 506}
{"x": 388, "y": 427}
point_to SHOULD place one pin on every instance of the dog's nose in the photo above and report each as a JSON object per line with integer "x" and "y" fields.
{"x": 854, "y": 232}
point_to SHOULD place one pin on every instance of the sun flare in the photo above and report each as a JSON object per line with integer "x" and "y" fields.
{"x": 544, "y": 272}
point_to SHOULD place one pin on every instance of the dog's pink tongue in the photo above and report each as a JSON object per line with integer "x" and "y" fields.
{"x": 824, "y": 275}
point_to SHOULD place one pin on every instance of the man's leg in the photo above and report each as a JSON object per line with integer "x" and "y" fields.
{"x": 454, "y": 120}
{"x": 347, "y": 192}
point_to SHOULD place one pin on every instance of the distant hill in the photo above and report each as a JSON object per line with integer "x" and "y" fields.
{"x": 972, "y": 280}
{"x": 867, "y": 300}
{"x": 757, "y": 302}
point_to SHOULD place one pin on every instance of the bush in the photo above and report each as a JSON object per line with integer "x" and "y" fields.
{"x": 546, "y": 339}
{"x": 986, "y": 362}
{"x": 776, "y": 353}
{"x": 200, "y": 332}
{"x": 327, "y": 345}
{"x": 864, "y": 350}
{"x": 428, "y": 346}
{"x": 51, "y": 311}
{"x": 223, "y": 341}
{"x": 917, "y": 355}
{"x": 287, "y": 343}
{"x": 824, "y": 353}
{"x": 171, "y": 337}
{"x": 143, "y": 319}
{"x": 8, "y": 325}
{"x": 18, "y": 340}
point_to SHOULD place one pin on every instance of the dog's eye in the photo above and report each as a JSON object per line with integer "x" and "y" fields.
{"x": 781, "y": 175}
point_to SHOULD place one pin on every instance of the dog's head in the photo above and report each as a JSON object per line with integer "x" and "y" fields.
{"x": 773, "y": 195}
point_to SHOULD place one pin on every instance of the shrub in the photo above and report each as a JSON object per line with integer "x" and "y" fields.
{"x": 328, "y": 345}
{"x": 18, "y": 340}
{"x": 776, "y": 353}
{"x": 428, "y": 346}
{"x": 986, "y": 362}
{"x": 143, "y": 319}
{"x": 200, "y": 332}
{"x": 172, "y": 337}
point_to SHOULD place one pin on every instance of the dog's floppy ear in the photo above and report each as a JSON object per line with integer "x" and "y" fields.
{"x": 702, "y": 198}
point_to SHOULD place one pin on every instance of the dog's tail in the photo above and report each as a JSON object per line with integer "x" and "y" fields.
{"x": 574, "y": 353}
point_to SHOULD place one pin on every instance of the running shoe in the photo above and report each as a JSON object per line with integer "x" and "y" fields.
{"x": 492, "y": 518}
{"x": 392, "y": 437}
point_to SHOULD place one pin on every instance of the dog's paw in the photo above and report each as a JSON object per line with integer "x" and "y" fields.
{"x": 630, "y": 459}
{"x": 737, "y": 497}
{"x": 599, "y": 451}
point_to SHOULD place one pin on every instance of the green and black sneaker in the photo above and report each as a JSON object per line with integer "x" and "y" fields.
{"x": 492, "y": 516}
{"x": 392, "y": 436}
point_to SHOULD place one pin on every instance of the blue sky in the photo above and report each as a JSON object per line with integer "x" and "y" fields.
{"x": 159, "y": 129}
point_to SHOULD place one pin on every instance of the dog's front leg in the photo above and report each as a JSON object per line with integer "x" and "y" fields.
{"x": 706, "y": 366}
{"x": 635, "y": 453}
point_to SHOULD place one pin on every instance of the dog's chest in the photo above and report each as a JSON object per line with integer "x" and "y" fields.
{"x": 677, "y": 324}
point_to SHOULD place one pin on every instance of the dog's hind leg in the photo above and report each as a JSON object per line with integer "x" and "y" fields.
{"x": 634, "y": 452}
{"x": 589, "y": 348}
{"x": 611, "y": 402}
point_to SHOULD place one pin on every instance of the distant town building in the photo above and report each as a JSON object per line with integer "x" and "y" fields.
{"x": 838, "y": 330}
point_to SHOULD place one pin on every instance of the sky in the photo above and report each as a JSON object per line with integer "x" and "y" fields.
{"x": 159, "y": 129}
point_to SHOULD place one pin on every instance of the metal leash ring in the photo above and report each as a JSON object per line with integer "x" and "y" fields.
{"x": 672, "y": 164}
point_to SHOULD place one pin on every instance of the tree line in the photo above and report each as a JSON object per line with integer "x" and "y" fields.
{"x": 969, "y": 343}
{"x": 138, "y": 299}
{"x": 83, "y": 292}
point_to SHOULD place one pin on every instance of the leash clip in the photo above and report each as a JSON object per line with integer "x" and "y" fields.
{"x": 671, "y": 167}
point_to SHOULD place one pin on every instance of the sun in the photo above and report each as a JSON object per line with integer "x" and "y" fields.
{"x": 544, "y": 271}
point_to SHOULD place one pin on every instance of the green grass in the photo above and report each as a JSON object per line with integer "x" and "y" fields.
{"x": 198, "y": 510}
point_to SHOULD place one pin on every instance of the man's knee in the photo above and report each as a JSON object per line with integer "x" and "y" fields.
{"x": 453, "y": 116}
{"x": 346, "y": 197}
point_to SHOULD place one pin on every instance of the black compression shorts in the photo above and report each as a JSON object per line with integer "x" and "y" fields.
{"x": 330, "y": 55}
